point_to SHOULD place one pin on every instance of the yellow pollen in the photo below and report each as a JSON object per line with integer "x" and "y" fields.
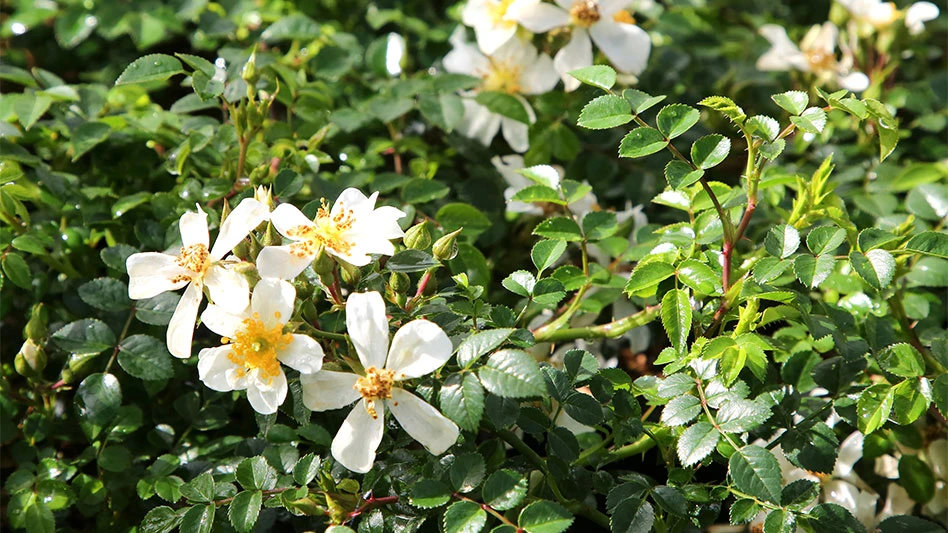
{"x": 328, "y": 231}
{"x": 623, "y": 17}
{"x": 255, "y": 346}
{"x": 376, "y": 385}
{"x": 584, "y": 13}
{"x": 497, "y": 11}
{"x": 194, "y": 257}
{"x": 502, "y": 77}
{"x": 820, "y": 61}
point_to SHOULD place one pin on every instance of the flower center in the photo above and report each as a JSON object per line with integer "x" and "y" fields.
{"x": 375, "y": 385}
{"x": 624, "y": 17}
{"x": 502, "y": 77}
{"x": 584, "y": 13}
{"x": 195, "y": 258}
{"x": 820, "y": 61}
{"x": 329, "y": 231}
{"x": 497, "y": 12}
{"x": 255, "y": 346}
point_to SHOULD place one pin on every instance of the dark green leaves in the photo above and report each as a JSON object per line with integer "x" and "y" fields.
{"x": 544, "y": 516}
{"x": 429, "y": 493}
{"x": 680, "y": 174}
{"x": 755, "y": 471}
{"x": 675, "y": 119}
{"x": 84, "y": 337}
{"x": 145, "y": 357}
{"x": 916, "y": 478}
{"x": 256, "y": 473}
{"x": 676, "y": 317}
{"x": 813, "y": 270}
{"x": 503, "y": 104}
{"x": 153, "y": 67}
{"x": 482, "y": 342}
{"x": 929, "y": 243}
{"x": 646, "y": 277}
{"x": 598, "y": 225}
{"x": 710, "y": 150}
{"x": 464, "y": 517}
{"x": 604, "y": 112}
{"x": 244, "y": 510}
{"x": 697, "y": 442}
{"x": 504, "y": 489}
{"x": 641, "y": 142}
{"x": 546, "y": 252}
{"x": 512, "y": 374}
{"x": 98, "y": 398}
{"x": 562, "y": 228}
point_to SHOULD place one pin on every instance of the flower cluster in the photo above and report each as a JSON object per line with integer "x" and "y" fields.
{"x": 258, "y": 331}
{"x": 506, "y": 60}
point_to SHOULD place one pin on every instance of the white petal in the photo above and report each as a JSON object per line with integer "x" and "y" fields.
{"x": 608, "y": 8}
{"x": 353, "y": 200}
{"x": 783, "y": 54}
{"x": 539, "y": 77}
{"x": 213, "y": 368}
{"x": 479, "y": 123}
{"x": 465, "y": 58}
{"x": 576, "y": 54}
{"x": 897, "y": 502}
{"x": 821, "y": 39}
{"x": 326, "y": 390}
{"x": 541, "y": 18}
{"x": 850, "y": 451}
{"x": 492, "y": 37}
{"x": 423, "y": 422}
{"x": 938, "y": 457}
{"x": 508, "y": 165}
{"x": 221, "y": 321}
{"x": 248, "y": 214}
{"x": 514, "y": 206}
{"x": 151, "y": 273}
{"x": 303, "y": 354}
{"x": 281, "y": 262}
{"x": 266, "y": 396}
{"x": 229, "y": 288}
{"x": 918, "y": 14}
{"x": 516, "y": 133}
{"x": 368, "y": 327}
{"x": 193, "y": 228}
{"x": 358, "y": 438}
{"x": 626, "y": 45}
{"x": 418, "y": 348}
{"x": 382, "y": 223}
{"x": 855, "y": 82}
{"x": 363, "y": 246}
{"x": 181, "y": 326}
{"x": 287, "y": 217}
{"x": 570, "y": 423}
{"x": 273, "y": 300}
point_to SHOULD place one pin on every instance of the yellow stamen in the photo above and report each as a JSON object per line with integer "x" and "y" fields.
{"x": 584, "y": 13}
{"x": 255, "y": 346}
{"x": 196, "y": 258}
{"x": 376, "y": 385}
{"x": 623, "y": 17}
{"x": 328, "y": 231}
{"x": 497, "y": 11}
{"x": 503, "y": 77}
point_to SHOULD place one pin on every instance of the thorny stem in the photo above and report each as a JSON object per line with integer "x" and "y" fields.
{"x": 372, "y": 503}
{"x": 268, "y": 492}
{"x": 610, "y": 330}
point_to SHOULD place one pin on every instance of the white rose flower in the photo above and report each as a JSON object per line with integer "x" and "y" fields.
{"x": 607, "y": 22}
{"x": 255, "y": 345}
{"x": 816, "y": 54}
{"x": 418, "y": 348}
{"x": 918, "y": 14}
{"x": 493, "y": 21}
{"x": 194, "y": 266}
{"x": 352, "y": 230}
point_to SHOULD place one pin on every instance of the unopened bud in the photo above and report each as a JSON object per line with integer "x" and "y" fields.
{"x": 399, "y": 282}
{"x": 249, "y": 72}
{"x": 351, "y": 274}
{"x": 446, "y": 248}
{"x": 31, "y": 360}
{"x": 264, "y": 195}
{"x": 37, "y": 328}
{"x": 418, "y": 237}
{"x": 323, "y": 264}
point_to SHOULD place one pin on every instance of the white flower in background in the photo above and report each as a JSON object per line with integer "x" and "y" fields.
{"x": 606, "y": 22}
{"x": 937, "y": 457}
{"x": 194, "y": 266}
{"x": 493, "y": 21}
{"x": 816, "y": 54}
{"x": 351, "y": 231}
{"x": 418, "y": 348}
{"x": 255, "y": 345}
{"x": 516, "y": 68}
{"x": 918, "y": 14}
{"x": 509, "y": 167}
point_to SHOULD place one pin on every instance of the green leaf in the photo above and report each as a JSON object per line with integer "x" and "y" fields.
{"x": 739, "y": 416}
{"x": 455, "y": 216}
{"x": 520, "y": 283}
{"x": 813, "y": 120}
{"x": 444, "y": 110}
{"x": 604, "y": 112}
{"x": 157, "y": 311}
{"x": 126, "y": 203}
{"x": 641, "y": 101}
{"x": 766, "y": 127}
{"x": 902, "y": 360}
{"x": 30, "y": 107}
{"x": 780, "y": 521}
{"x": 200, "y": 489}
{"x": 699, "y": 277}
{"x": 940, "y": 394}
{"x": 544, "y": 516}
{"x": 908, "y": 524}
{"x": 198, "y": 519}
{"x": 681, "y": 410}
{"x": 161, "y": 519}
{"x": 710, "y": 150}
{"x": 641, "y": 142}
{"x": 834, "y": 518}
{"x": 512, "y": 374}
{"x": 929, "y": 243}
{"x": 793, "y": 102}
{"x": 39, "y": 518}
{"x": 421, "y": 190}
{"x": 295, "y": 27}
{"x": 916, "y": 478}
{"x": 675, "y": 119}
{"x": 548, "y": 292}
{"x": 676, "y": 317}
{"x": 680, "y": 174}
{"x": 598, "y": 225}
{"x": 107, "y": 294}
{"x": 799, "y": 493}
{"x": 873, "y": 407}
{"x": 910, "y": 400}
{"x": 467, "y": 471}
{"x": 744, "y": 511}
{"x": 696, "y": 442}
{"x": 411, "y": 261}
{"x": 770, "y": 268}
{"x": 876, "y": 267}
{"x": 538, "y": 194}
{"x": 559, "y": 228}
{"x": 464, "y": 517}
{"x": 583, "y": 409}
{"x": 145, "y": 357}
{"x": 87, "y": 136}
{"x": 429, "y": 494}
{"x": 98, "y": 398}
{"x": 646, "y": 277}
{"x": 597, "y": 75}
{"x": 887, "y": 126}
{"x": 632, "y": 515}
{"x": 547, "y": 252}
{"x": 256, "y": 473}
{"x": 244, "y": 510}
{"x": 813, "y": 270}
{"x": 503, "y": 104}
{"x": 726, "y": 107}
{"x": 755, "y": 471}
{"x": 306, "y": 469}
{"x": 17, "y": 270}
{"x": 772, "y": 149}
{"x": 825, "y": 239}
{"x": 504, "y": 489}
{"x": 153, "y": 67}
{"x": 482, "y": 342}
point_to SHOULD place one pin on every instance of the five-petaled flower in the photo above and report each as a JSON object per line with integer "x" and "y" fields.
{"x": 352, "y": 230}
{"x": 494, "y": 21}
{"x": 418, "y": 348}
{"x": 607, "y": 22}
{"x": 152, "y": 273}
{"x": 816, "y": 54}
{"x": 255, "y": 344}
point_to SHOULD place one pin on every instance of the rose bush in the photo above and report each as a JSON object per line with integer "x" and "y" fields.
{"x": 269, "y": 266}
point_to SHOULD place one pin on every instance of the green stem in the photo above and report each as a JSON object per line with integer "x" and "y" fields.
{"x": 711, "y": 419}
{"x": 641, "y": 445}
{"x": 323, "y": 334}
{"x": 609, "y": 330}
{"x": 118, "y": 344}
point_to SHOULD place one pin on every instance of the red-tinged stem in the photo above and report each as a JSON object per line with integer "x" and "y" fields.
{"x": 372, "y": 503}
